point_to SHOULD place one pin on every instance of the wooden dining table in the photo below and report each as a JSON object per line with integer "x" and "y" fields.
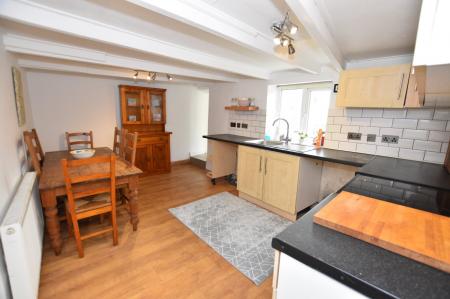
{"x": 51, "y": 185}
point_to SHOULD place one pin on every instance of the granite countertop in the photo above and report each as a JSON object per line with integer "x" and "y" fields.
{"x": 369, "y": 269}
{"x": 330, "y": 155}
{"x": 406, "y": 171}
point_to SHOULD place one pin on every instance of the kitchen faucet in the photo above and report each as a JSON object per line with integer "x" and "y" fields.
{"x": 286, "y": 140}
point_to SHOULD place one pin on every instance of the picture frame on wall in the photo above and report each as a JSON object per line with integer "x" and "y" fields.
{"x": 18, "y": 95}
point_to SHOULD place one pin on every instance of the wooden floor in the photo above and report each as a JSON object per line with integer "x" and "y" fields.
{"x": 163, "y": 259}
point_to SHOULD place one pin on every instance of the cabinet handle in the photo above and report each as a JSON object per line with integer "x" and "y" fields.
{"x": 265, "y": 166}
{"x": 260, "y": 162}
{"x": 401, "y": 87}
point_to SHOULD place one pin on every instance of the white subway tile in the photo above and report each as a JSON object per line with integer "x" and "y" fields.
{"x": 391, "y": 131}
{"x": 394, "y": 113}
{"x": 331, "y": 144}
{"x": 353, "y": 112}
{"x": 339, "y": 136}
{"x": 333, "y": 128}
{"x": 381, "y": 122}
{"x": 434, "y": 157}
{"x": 360, "y": 121}
{"x": 442, "y": 114}
{"x": 346, "y": 129}
{"x": 403, "y": 143}
{"x": 444, "y": 147}
{"x": 341, "y": 120}
{"x": 427, "y": 145}
{"x": 415, "y": 134}
{"x": 347, "y": 146}
{"x": 372, "y": 113}
{"x": 387, "y": 151}
{"x": 404, "y": 123}
{"x": 411, "y": 154}
{"x": 330, "y": 120}
{"x": 448, "y": 126}
{"x": 420, "y": 113}
{"x": 366, "y": 148}
{"x": 439, "y": 136}
{"x": 437, "y": 125}
{"x": 369, "y": 130}
{"x": 336, "y": 112}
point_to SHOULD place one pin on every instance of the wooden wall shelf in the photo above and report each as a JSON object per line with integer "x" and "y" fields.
{"x": 242, "y": 108}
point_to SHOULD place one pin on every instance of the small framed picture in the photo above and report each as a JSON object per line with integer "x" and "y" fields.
{"x": 132, "y": 102}
{"x": 131, "y": 117}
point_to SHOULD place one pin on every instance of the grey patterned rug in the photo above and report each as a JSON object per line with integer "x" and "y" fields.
{"x": 238, "y": 230}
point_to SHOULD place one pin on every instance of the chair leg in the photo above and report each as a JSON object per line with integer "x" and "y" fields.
{"x": 78, "y": 237}
{"x": 114, "y": 227}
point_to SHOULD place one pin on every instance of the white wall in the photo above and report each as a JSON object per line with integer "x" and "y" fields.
{"x": 67, "y": 102}
{"x": 13, "y": 158}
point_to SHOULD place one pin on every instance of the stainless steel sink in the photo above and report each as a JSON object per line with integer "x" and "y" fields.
{"x": 265, "y": 142}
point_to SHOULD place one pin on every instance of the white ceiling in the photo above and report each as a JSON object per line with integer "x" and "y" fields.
{"x": 372, "y": 28}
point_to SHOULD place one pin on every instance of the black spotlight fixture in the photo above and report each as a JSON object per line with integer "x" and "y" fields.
{"x": 283, "y": 31}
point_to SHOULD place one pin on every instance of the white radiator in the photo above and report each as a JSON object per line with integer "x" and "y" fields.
{"x": 22, "y": 232}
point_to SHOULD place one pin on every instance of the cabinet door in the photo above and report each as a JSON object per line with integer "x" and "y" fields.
{"x": 157, "y": 107}
{"x": 280, "y": 180}
{"x": 142, "y": 157}
{"x": 375, "y": 87}
{"x": 134, "y": 105}
{"x": 249, "y": 173}
{"x": 160, "y": 157}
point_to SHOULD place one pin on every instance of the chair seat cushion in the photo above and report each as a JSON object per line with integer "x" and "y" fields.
{"x": 92, "y": 202}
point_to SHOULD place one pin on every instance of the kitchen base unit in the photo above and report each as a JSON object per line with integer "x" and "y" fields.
{"x": 282, "y": 183}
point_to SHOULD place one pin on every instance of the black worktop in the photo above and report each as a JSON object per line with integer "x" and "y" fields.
{"x": 371, "y": 270}
{"x": 324, "y": 154}
{"x": 407, "y": 171}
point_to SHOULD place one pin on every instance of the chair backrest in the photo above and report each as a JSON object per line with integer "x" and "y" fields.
{"x": 99, "y": 171}
{"x": 118, "y": 140}
{"x": 129, "y": 147}
{"x": 79, "y": 138}
{"x": 34, "y": 149}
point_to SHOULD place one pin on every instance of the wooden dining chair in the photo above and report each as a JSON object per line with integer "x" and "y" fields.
{"x": 34, "y": 150}
{"x": 91, "y": 191}
{"x": 75, "y": 139}
{"x": 129, "y": 146}
{"x": 118, "y": 140}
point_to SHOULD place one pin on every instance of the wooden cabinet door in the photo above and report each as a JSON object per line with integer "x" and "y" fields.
{"x": 383, "y": 87}
{"x": 142, "y": 157}
{"x": 160, "y": 157}
{"x": 157, "y": 106}
{"x": 133, "y": 105}
{"x": 280, "y": 180}
{"x": 249, "y": 172}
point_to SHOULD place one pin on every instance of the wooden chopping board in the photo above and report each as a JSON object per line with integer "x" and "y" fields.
{"x": 416, "y": 234}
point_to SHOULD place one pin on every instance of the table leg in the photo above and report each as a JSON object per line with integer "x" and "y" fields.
{"x": 133, "y": 201}
{"x": 48, "y": 199}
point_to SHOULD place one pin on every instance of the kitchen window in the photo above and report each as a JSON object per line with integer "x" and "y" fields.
{"x": 304, "y": 106}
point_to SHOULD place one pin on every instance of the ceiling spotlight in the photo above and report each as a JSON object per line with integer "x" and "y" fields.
{"x": 291, "y": 49}
{"x": 293, "y": 29}
{"x": 285, "y": 41}
{"x": 277, "y": 40}
{"x": 154, "y": 76}
{"x": 148, "y": 76}
{"x": 169, "y": 77}
{"x": 135, "y": 75}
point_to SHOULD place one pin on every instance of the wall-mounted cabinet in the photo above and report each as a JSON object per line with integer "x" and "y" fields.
{"x": 143, "y": 110}
{"x": 383, "y": 87}
{"x": 282, "y": 183}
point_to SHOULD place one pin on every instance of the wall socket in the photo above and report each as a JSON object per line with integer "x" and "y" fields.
{"x": 353, "y": 136}
{"x": 371, "y": 137}
{"x": 389, "y": 139}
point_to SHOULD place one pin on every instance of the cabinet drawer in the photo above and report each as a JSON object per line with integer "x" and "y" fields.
{"x": 152, "y": 139}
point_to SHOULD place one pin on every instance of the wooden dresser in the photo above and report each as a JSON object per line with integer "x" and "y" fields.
{"x": 143, "y": 110}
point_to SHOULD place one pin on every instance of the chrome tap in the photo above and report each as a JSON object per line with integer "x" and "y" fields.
{"x": 282, "y": 138}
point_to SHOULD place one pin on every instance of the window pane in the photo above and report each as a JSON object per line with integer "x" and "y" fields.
{"x": 318, "y": 110}
{"x": 291, "y": 109}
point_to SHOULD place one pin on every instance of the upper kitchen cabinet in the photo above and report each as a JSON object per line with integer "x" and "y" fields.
{"x": 383, "y": 87}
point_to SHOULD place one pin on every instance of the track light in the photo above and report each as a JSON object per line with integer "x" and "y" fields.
{"x": 135, "y": 75}
{"x": 283, "y": 30}
{"x": 169, "y": 77}
{"x": 153, "y": 76}
{"x": 148, "y": 76}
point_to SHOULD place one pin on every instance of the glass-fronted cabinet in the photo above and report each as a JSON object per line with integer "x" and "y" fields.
{"x": 157, "y": 107}
{"x": 141, "y": 105}
{"x": 133, "y": 106}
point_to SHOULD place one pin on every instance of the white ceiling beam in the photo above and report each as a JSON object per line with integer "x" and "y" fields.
{"x": 210, "y": 19}
{"x": 35, "y": 14}
{"x": 311, "y": 18}
{"x": 25, "y": 45}
{"x": 76, "y": 69}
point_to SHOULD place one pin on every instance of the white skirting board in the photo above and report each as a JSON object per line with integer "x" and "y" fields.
{"x": 22, "y": 233}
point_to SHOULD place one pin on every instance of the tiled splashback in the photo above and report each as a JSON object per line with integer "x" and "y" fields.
{"x": 251, "y": 123}
{"x": 423, "y": 133}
